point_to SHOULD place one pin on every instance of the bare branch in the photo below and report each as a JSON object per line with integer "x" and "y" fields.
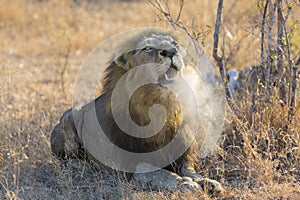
{"x": 220, "y": 59}
{"x": 293, "y": 92}
{"x": 270, "y": 40}
{"x": 262, "y": 50}
{"x": 180, "y": 10}
{"x": 175, "y": 23}
{"x": 164, "y": 9}
{"x": 216, "y": 39}
{"x": 280, "y": 44}
{"x": 293, "y": 75}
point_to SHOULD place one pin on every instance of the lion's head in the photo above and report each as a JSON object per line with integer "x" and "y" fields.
{"x": 161, "y": 51}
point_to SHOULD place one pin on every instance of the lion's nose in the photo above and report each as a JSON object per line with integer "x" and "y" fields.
{"x": 168, "y": 53}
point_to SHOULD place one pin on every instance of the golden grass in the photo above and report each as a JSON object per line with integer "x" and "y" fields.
{"x": 41, "y": 47}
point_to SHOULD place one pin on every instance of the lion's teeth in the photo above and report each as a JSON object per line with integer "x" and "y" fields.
{"x": 166, "y": 77}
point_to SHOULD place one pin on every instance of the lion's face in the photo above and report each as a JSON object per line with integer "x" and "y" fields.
{"x": 162, "y": 51}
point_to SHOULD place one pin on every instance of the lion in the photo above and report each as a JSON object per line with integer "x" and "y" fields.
{"x": 162, "y": 57}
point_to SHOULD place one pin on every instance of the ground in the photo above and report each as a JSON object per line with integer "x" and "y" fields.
{"x": 41, "y": 48}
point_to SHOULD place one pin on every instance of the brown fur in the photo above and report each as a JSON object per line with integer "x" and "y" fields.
{"x": 66, "y": 141}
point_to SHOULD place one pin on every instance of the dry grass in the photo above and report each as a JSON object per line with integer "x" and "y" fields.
{"x": 42, "y": 45}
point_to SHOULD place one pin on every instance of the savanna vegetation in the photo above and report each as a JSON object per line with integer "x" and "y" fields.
{"x": 42, "y": 45}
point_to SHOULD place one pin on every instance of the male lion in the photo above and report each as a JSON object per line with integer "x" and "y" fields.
{"x": 156, "y": 58}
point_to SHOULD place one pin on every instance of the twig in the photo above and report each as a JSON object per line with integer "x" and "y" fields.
{"x": 270, "y": 52}
{"x": 280, "y": 51}
{"x": 158, "y": 5}
{"x": 293, "y": 92}
{"x": 164, "y": 9}
{"x": 180, "y": 10}
{"x": 292, "y": 69}
{"x": 280, "y": 44}
{"x": 218, "y": 58}
{"x": 262, "y": 50}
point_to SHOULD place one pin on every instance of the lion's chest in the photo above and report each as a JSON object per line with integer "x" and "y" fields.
{"x": 140, "y": 104}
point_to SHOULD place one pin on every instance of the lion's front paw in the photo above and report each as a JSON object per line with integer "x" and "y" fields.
{"x": 211, "y": 186}
{"x": 162, "y": 179}
{"x": 188, "y": 184}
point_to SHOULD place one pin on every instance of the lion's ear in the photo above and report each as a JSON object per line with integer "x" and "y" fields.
{"x": 122, "y": 61}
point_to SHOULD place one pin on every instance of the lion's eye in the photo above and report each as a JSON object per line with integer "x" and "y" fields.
{"x": 148, "y": 49}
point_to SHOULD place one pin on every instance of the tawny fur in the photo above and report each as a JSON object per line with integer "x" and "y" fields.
{"x": 66, "y": 140}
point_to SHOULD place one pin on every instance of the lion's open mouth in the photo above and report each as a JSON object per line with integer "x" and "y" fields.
{"x": 171, "y": 73}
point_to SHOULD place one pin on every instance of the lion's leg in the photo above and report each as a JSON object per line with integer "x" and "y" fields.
{"x": 212, "y": 186}
{"x": 57, "y": 141}
{"x": 161, "y": 179}
{"x": 64, "y": 140}
{"x": 188, "y": 170}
